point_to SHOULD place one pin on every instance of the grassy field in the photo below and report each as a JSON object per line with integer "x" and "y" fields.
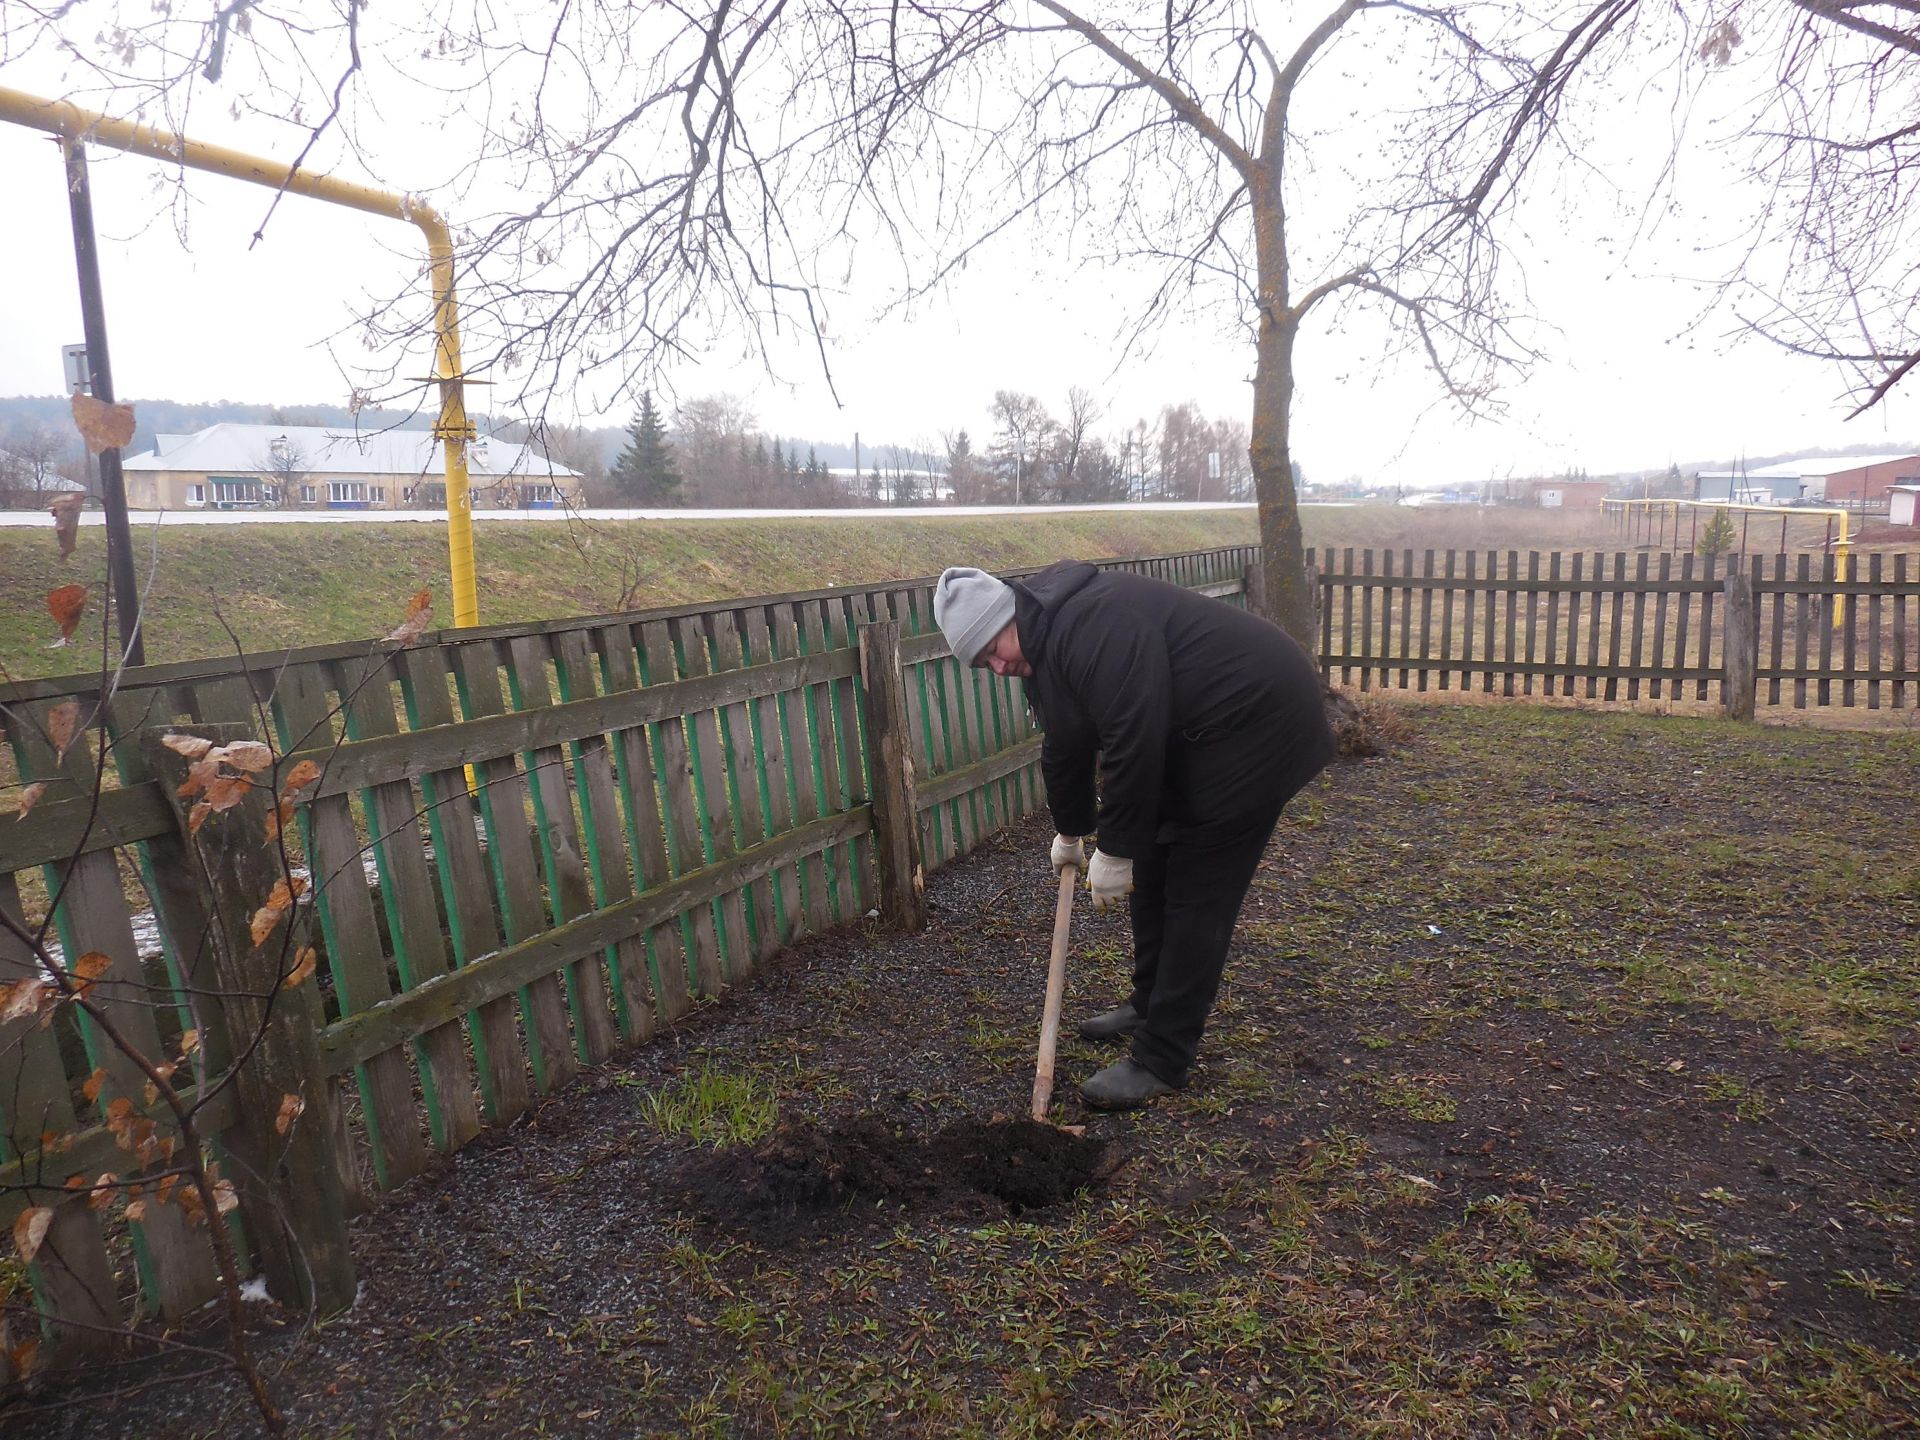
{"x": 1566, "y": 1082}
{"x": 276, "y": 586}
{"x": 281, "y": 585}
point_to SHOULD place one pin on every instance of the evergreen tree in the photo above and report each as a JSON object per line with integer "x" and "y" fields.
{"x": 644, "y": 473}
{"x": 1718, "y": 537}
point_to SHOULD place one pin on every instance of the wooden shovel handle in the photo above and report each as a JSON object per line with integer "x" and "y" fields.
{"x": 1056, "y": 989}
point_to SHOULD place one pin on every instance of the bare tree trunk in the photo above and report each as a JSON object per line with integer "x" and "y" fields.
{"x": 1282, "y": 552}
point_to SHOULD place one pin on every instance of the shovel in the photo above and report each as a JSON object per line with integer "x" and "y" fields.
{"x": 1056, "y": 988}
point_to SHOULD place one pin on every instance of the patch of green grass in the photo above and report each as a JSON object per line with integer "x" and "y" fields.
{"x": 714, "y": 1107}
{"x": 1416, "y": 1098}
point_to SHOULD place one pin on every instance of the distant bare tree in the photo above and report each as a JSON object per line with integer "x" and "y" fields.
{"x": 579, "y": 450}
{"x": 284, "y": 463}
{"x": 1832, "y": 267}
{"x": 37, "y": 463}
{"x": 1022, "y": 429}
{"x": 1071, "y": 438}
{"x": 712, "y": 437}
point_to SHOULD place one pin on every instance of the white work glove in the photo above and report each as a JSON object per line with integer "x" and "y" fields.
{"x": 1068, "y": 850}
{"x": 1110, "y": 878}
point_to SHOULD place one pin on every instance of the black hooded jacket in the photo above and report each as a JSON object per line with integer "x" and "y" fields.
{"x": 1202, "y": 715}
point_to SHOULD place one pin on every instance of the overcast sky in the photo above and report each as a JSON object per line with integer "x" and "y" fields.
{"x": 1629, "y": 380}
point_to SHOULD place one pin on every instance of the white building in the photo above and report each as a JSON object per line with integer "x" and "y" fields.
{"x": 233, "y": 466}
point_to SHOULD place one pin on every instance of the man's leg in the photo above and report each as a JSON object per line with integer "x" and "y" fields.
{"x": 1148, "y": 907}
{"x": 1202, "y": 887}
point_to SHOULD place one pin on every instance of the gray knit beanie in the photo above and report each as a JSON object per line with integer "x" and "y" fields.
{"x": 971, "y": 607}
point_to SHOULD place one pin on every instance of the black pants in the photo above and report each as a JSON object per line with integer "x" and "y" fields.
{"x": 1186, "y": 897}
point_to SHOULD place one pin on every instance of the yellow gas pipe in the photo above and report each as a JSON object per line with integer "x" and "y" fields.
{"x": 453, "y": 429}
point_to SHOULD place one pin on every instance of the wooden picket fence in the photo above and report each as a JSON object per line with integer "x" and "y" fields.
{"x": 1776, "y": 630}
{"x": 528, "y": 848}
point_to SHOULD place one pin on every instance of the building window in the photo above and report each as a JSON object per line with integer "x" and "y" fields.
{"x": 236, "y": 492}
{"x": 196, "y": 494}
{"x": 308, "y": 494}
{"x": 379, "y": 494}
{"x": 346, "y": 492}
{"x": 430, "y": 496}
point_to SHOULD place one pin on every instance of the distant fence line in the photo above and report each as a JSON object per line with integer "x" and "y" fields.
{"x": 1777, "y": 630}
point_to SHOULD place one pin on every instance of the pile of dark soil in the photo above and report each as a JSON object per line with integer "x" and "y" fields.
{"x": 802, "y": 1173}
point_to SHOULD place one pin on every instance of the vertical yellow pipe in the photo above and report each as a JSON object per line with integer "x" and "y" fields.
{"x": 61, "y": 117}
{"x": 453, "y": 428}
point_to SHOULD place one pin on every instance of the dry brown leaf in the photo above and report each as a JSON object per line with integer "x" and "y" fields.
{"x": 29, "y": 797}
{"x": 136, "y": 1211}
{"x": 197, "y": 816}
{"x": 66, "y": 521}
{"x": 225, "y": 1197}
{"x": 165, "y": 1188}
{"x": 189, "y": 1042}
{"x": 25, "y": 997}
{"x": 303, "y": 774}
{"x": 418, "y": 617}
{"x": 102, "y": 425}
{"x": 264, "y": 921}
{"x": 291, "y": 1108}
{"x": 303, "y": 964}
{"x": 248, "y": 755}
{"x": 227, "y": 791}
{"x": 278, "y": 903}
{"x": 277, "y": 819}
{"x": 300, "y": 776}
{"x": 200, "y": 774}
{"x": 191, "y": 746}
{"x": 152, "y": 1092}
{"x": 66, "y": 605}
{"x": 104, "y": 1190}
{"x": 62, "y": 721}
{"x": 92, "y": 1088}
{"x": 23, "y": 1357}
{"x": 30, "y": 1229}
{"x": 88, "y": 969}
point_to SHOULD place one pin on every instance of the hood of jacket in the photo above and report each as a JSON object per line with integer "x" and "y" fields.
{"x": 1038, "y": 597}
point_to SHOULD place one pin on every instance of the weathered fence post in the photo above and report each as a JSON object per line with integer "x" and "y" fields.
{"x": 289, "y": 1187}
{"x": 896, "y": 821}
{"x": 1313, "y": 646}
{"x": 1256, "y": 583}
{"x": 1741, "y": 648}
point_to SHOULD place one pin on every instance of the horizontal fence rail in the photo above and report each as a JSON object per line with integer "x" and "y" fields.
{"x": 1799, "y": 631}
{"x": 520, "y": 850}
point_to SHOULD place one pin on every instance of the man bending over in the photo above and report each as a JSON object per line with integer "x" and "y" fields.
{"x": 1205, "y": 720}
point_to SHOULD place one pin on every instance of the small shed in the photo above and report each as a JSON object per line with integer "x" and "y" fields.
{"x": 1903, "y": 505}
{"x": 1567, "y": 494}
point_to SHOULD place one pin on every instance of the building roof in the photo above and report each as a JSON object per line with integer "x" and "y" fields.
{"x": 322, "y": 450}
{"x": 1802, "y": 469}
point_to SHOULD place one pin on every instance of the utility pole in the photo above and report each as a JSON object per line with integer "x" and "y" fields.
{"x": 113, "y": 485}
